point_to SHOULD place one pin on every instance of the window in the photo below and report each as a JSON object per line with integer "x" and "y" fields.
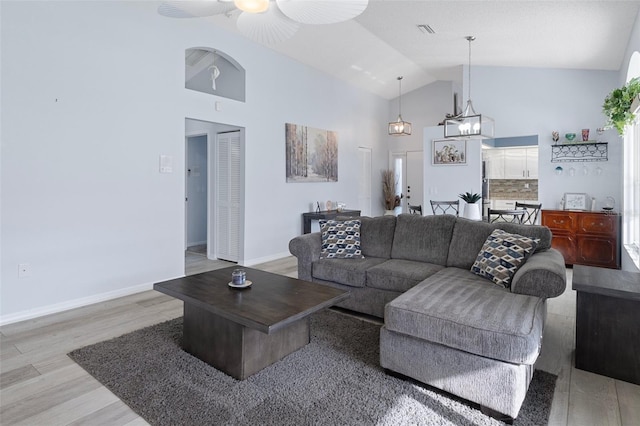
{"x": 631, "y": 227}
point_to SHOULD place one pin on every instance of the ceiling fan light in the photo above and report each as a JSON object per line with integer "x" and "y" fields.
{"x": 252, "y": 6}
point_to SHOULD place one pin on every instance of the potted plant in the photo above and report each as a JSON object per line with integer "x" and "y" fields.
{"x": 390, "y": 199}
{"x": 617, "y": 105}
{"x": 471, "y": 209}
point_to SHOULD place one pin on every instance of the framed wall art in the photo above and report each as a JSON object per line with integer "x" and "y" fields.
{"x": 312, "y": 154}
{"x": 449, "y": 152}
{"x": 575, "y": 201}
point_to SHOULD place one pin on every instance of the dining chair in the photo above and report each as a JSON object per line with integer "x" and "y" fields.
{"x": 415, "y": 209}
{"x": 445, "y": 207}
{"x": 533, "y": 210}
{"x": 511, "y": 216}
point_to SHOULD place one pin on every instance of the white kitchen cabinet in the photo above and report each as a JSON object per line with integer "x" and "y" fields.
{"x": 515, "y": 163}
{"x": 511, "y": 163}
{"x": 532, "y": 163}
{"x": 494, "y": 163}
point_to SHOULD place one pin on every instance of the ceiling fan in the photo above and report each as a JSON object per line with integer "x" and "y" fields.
{"x": 269, "y": 21}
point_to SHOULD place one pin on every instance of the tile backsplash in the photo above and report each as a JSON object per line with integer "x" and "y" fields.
{"x": 513, "y": 189}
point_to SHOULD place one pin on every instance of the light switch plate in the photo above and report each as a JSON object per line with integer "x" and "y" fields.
{"x": 166, "y": 164}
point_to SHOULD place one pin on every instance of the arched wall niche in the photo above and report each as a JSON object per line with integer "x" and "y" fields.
{"x": 211, "y": 71}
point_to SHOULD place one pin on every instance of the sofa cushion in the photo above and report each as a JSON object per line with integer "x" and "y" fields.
{"x": 469, "y": 237}
{"x": 340, "y": 239}
{"x": 399, "y": 274}
{"x": 376, "y": 236}
{"x": 461, "y": 310}
{"x": 502, "y": 255}
{"x": 350, "y": 272}
{"x": 423, "y": 238}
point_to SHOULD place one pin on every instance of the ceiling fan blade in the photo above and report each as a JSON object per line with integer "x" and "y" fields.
{"x": 269, "y": 27}
{"x": 322, "y": 11}
{"x": 194, "y": 9}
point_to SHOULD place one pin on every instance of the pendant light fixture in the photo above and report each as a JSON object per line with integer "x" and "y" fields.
{"x": 400, "y": 127}
{"x": 469, "y": 124}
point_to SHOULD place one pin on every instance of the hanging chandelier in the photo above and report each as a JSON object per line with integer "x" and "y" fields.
{"x": 469, "y": 124}
{"x": 400, "y": 127}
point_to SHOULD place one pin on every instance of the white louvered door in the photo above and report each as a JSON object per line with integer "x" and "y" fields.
{"x": 228, "y": 196}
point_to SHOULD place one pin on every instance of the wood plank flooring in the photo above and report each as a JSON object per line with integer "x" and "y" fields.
{"x": 40, "y": 385}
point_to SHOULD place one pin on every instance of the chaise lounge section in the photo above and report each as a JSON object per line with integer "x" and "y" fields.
{"x": 445, "y": 325}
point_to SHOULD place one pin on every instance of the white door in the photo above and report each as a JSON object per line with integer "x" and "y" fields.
{"x": 364, "y": 181}
{"x": 228, "y": 193}
{"x": 414, "y": 190}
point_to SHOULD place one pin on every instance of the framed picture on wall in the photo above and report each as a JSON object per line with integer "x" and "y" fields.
{"x": 311, "y": 154}
{"x": 575, "y": 201}
{"x": 449, "y": 152}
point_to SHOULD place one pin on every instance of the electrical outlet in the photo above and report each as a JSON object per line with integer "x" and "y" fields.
{"x": 24, "y": 270}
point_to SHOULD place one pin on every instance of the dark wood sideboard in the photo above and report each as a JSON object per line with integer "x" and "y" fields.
{"x": 325, "y": 214}
{"x": 585, "y": 238}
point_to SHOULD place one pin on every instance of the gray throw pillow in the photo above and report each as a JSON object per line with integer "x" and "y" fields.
{"x": 501, "y": 256}
{"x": 340, "y": 239}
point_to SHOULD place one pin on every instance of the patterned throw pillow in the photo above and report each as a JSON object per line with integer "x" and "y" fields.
{"x": 501, "y": 256}
{"x": 340, "y": 239}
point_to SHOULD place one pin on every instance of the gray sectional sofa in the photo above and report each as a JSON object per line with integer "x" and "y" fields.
{"x": 444, "y": 325}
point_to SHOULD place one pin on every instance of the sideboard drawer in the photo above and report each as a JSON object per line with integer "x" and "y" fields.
{"x": 597, "y": 224}
{"x": 560, "y": 221}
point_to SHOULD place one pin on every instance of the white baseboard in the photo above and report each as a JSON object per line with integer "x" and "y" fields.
{"x": 72, "y": 304}
{"x": 258, "y": 260}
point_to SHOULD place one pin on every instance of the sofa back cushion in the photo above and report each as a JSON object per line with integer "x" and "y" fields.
{"x": 423, "y": 238}
{"x": 469, "y": 237}
{"x": 376, "y": 236}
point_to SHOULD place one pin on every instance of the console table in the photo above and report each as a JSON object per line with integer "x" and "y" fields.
{"x": 585, "y": 238}
{"x": 607, "y": 318}
{"x": 308, "y": 217}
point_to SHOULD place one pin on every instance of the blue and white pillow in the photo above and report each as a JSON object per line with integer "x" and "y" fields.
{"x": 340, "y": 239}
{"x": 502, "y": 255}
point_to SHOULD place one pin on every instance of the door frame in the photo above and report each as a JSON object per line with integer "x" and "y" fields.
{"x": 211, "y": 129}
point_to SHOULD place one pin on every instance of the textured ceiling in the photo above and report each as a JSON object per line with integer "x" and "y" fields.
{"x": 385, "y": 42}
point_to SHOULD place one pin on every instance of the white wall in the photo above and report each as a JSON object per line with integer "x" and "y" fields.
{"x": 197, "y": 190}
{"x": 447, "y": 182}
{"x": 92, "y": 94}
{"x": 527, "y": 101}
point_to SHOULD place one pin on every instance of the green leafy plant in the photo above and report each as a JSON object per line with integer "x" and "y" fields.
{"x": 470, "y": 198}
{"x": 617, "y": 105}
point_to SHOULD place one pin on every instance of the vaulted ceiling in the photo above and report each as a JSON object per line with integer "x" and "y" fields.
{"x": 385, "y": 41}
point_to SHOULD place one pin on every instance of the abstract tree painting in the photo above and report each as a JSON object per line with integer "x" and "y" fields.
{"x": 312, "y": 154}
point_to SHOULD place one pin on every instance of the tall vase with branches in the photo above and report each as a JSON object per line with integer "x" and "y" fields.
{"x": 390, "y": 199}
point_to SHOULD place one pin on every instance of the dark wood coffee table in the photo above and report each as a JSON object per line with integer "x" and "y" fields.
{"x": 241, "y": 331}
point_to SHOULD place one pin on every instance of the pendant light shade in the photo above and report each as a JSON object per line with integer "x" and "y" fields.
{"x": 469, "y": 124}
{"x": 399, "y": 127}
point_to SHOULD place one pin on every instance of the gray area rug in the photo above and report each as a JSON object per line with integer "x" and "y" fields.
{"x": 335, "y": 380}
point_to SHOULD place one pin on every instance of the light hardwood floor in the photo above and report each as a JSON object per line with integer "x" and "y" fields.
{"x": 40, "y": 385}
